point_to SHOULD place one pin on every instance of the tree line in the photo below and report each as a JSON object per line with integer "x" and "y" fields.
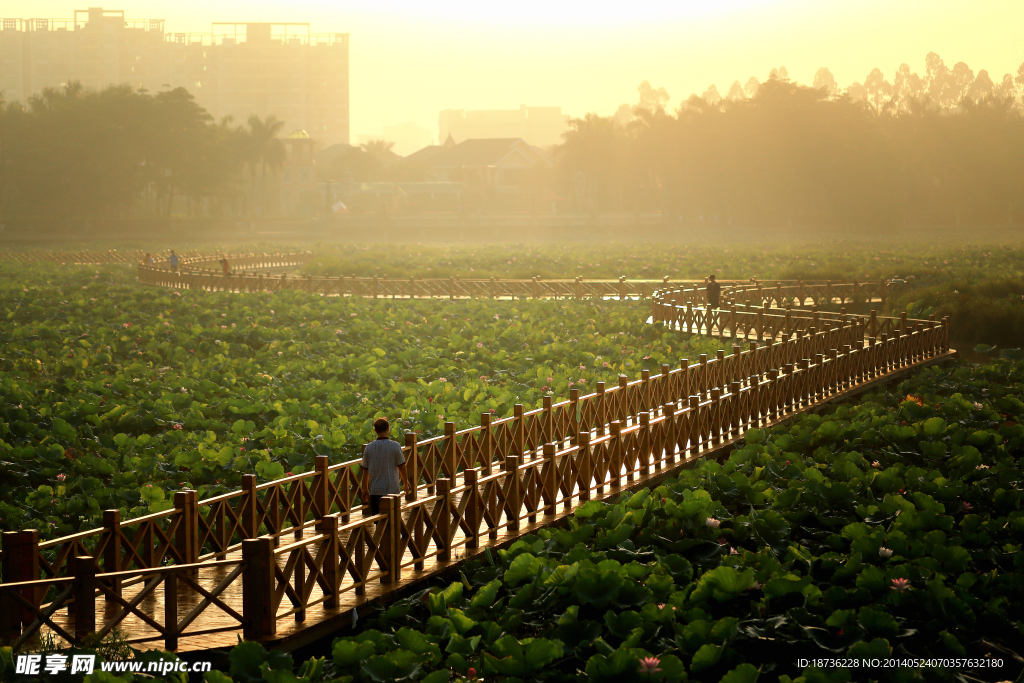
{"x": 72, "y": 153}
{"x": 946, "y": 147}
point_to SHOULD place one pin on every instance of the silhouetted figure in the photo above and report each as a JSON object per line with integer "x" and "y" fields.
{"x": 383, "y": 464}
{"x": 714, "y": 293}
{"x": 225, "y": 266}
{"x": 173, "y": 261}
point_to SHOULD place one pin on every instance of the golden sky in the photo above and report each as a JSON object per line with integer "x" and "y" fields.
{"x": 412, "y": 58}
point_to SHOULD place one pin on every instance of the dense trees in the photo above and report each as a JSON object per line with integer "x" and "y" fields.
{"x": 76, "y": 154}
{"x": 944, "y": 147}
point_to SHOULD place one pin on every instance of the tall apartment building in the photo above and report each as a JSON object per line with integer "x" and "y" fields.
{"x": 539, "y": 126}
{"x": 237, "y": 69}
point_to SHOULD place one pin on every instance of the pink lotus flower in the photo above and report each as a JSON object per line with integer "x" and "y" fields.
{"x": 61, "y": 477}
{"x": 479, "y": 345}
{"x": 877, "y": 465}
{"x": 471, "y": 673}
{"x": 712, "y": 522}
{"x": 885, "y": 553}
{"x": 900, "y": 585}
{"x": 649, "y": 665}
{"x": 967, "y": 506}
{"x": 756, "y": 587}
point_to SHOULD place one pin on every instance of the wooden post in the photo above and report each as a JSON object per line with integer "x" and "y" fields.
{"x": 574, "y": 416}
{"x": 85, "y": 597}
{"x": 328, "y": 526}
{"x": 873, "y": 324}
{"x": 170, "y": 610}
{"x": 622, "y": 288}
{"x": 518, "y": 431}
{"x": 444, "y": 520}
{"x": 623, "y": 411}
{"x": 10, "y": 611}
{"x": 586, "y": 466}
{"x": 486, "y": 443}
{"x": 321, "y": 486}
{"x": 186, "y": 540}
{"x": 258, "y": 588}
{"x": 390, "y": 506}
{"x": 250, "y": 528}
{"x": 616, "y": 458}
{"x": 112, "y": 549}
{"x": 645, "y": 389}
{"x": 451, "y": 455}
{"x": 29, "y": 570}
{"x": 547, "y": 423}
{"x": 645, "y": 443}
{"x": 735, "y": 417}
{"x": 548, "y": 481}
{"x": 536, "y": 288}
{"x": 513, "y": 501}
{"x": 599, "y": 406}
{"x": 716, "y": 416}
{"x": 720, "y": 369}
{"x": 670, "y": 427}
{"x": 412, "y": 466}
{"x": 705, "y": 381}
{"x": 473, "y": 509}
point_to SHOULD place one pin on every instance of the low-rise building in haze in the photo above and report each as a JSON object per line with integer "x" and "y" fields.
{"x": 538, "y": 126}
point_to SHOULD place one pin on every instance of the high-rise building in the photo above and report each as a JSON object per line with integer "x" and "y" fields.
{"x": 237, "y": 69}
{"x": 539, "y": 126}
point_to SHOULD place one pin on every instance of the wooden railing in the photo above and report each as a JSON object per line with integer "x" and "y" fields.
{"x": 91, "y": 258}
{"x": 310, "y": 537}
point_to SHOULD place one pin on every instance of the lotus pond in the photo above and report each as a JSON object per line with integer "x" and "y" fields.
{"x": 889, "y": 530}
{"x": 112, "y": 395}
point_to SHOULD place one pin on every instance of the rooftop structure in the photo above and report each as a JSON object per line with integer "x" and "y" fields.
{"x": 237, "y": 69}
{"x": 538, "y": 126}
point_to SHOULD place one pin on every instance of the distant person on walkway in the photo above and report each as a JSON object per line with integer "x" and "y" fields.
{"x": 383, "y": 463}
{"x": 224, "y": 264}
{"x": 714, "y": 293}
{"x": 173, "y": 260}
{"x": 149, "y": 260}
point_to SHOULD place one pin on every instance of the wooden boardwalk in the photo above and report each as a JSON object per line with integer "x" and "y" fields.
{"x": 288, "y": 561}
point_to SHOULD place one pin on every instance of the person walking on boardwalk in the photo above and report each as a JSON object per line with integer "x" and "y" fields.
{"x": 173, "y": 260}
{"x": 225, "y": 266}
{"x": 383, "y": 463}
{"x": 714, "y": 293}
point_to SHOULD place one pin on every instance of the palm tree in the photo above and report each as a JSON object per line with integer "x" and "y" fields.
{"x": 265, "y": 148}
{"x": 379, "y": 146}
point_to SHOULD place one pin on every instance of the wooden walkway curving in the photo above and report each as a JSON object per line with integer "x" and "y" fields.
{"x": 290, "y": 560}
